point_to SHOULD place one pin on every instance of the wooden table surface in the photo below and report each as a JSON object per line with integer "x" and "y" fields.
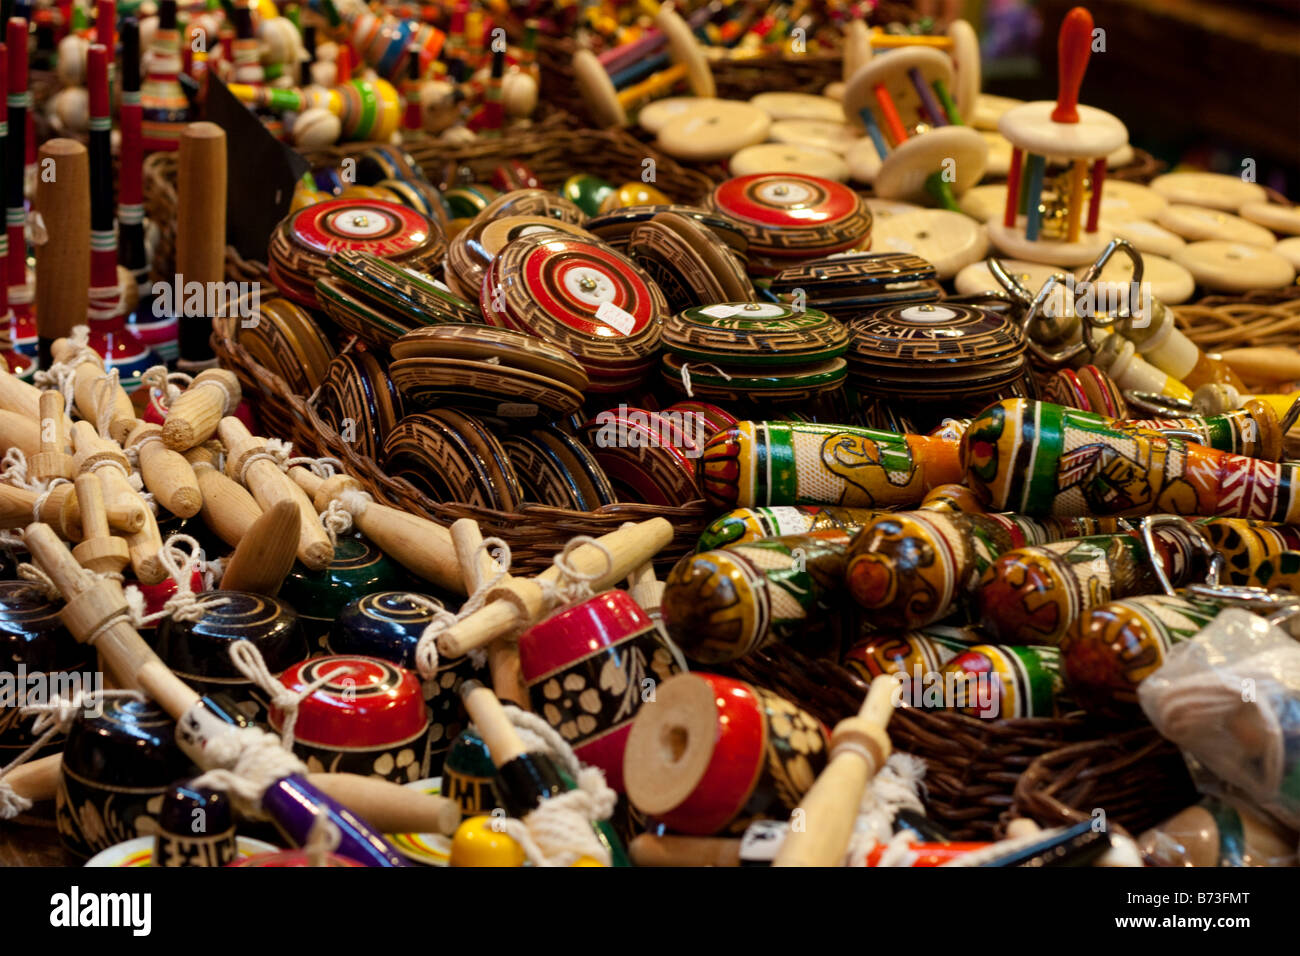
{"x": 32, "y": 840}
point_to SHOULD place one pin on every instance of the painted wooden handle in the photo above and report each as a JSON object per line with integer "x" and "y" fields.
{"x": 831, "y": 805}
{"x": 1073, "y": 48}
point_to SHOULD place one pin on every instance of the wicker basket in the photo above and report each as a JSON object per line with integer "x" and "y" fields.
{"x": 976, "y": 770}
{"x": 1255, "y": 319}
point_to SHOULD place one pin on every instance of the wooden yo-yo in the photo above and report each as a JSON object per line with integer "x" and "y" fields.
{"x": 916, "y": 145}
{"x": 99, "y": 550}
{"x": 367, "y": 719}
{"x": 118, "y": 761}
{"x": 198, "y": 652}
{"x": 357, "y": 568}
{"x": 388, "y": 625}
{"x": 655, "y": 466}
{"x": 196, "y": 827}
{"x": 624, "y": 78}
{"x": 847, "y": 285}
{"x": 228, "y": 510}
{"x": 791, "y": 215}
{"x": 691, "y": 265}
{"x": 713, "y": 754}
{"x": 53, "y": 459}
{"x": 268, "y": 484}
{"x": 265, "y": 556}
{"x": 831, "y": 465}
{"x": 588, "y": 668}
{"x": 193, "y": 418}
{"x": 94, "y": 395}
{"x": 33, "y": 641}
{"x": 166, "y": 473}
{"x": 1056, "y": 219}
{"x": 62, "y": 263}
{"x": 859, "y": 747}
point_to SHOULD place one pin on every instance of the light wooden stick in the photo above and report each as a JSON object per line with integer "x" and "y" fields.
{"x": 37, "y": 780}
{"x": 494, "y": 727}
{"x": 228, "y": 509}
{"x": 99, "y": 550}
{"x": 646, "y": 589}
{"x": 265, "y": 556}
{"x": 144, "y": 546}
{"x": 269, "y": 484}
{"x": 1264, "y": 363}
{"x": 17, "y": 395}
{"x": 166, "y": 473}
{"x": 21, "y": 432}
{"x": 126, "y": 510}
{"x": 859, "y": 748}
{"x": 92, "y": 392}
{"x": 503, "y": 652}
{"x": 650, "y": 850}
{"x": 53, "y": 460}
{"x": 418, "y": 544}
{"x": 520, "y": 602}
{"x": 201, "y": 233}
{"x": 194, "y": 416}
{"x": 62, "y": 262}
{"x": 60, "y": 509}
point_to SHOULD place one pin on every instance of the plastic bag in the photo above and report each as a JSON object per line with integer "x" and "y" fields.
{"x": 1230, "y": 699}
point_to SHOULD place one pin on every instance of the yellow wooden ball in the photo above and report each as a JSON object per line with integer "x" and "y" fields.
{"x": 476, "y": 843}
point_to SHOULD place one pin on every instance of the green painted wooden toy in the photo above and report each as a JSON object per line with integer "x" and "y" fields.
{"x": 750, "y": 524}
{"x": 359, "y": 568}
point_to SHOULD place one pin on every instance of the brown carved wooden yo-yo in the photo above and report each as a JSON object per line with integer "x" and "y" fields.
{"x": 649, "y": 458}
{"x": 472, "y": 250}
{"x": 943, "y": 358}
{"x": 847, "y": 286}
{"x": 616, "y": 226}
{"x": 453, "y": 457}
{"x": 793, "y": 215}
{"x": 305, "y": 240}
{"x": 359, "y": 400}
{"x": 691, "y": 265}
{"x": 368, "y": 718}
{"x": 584, "y": 297}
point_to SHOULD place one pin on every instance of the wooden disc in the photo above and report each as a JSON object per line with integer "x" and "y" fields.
{"x": 1168, "y": 281}
{"x": 863, "y": 160}
{"x": 1234, "y": 266}
{"x": 884, "y": 208}
{"x": 836, "y": 136}
{"x": 790, "y": 158}
{"x": 781, "y": 384}
{"x": 984, "y": 203}
{"x": 893, "y": 71}
{"x": 597, "y": 90}
{"x": 754, "y": 333}
{"x": 976, "y": 277}
{"x": 948, "y": 240}
{"x": 989, "y": 109}
{"x": 847, "y": 286}
{"x": 1213, "y": 190}
{"x": 615, "y": 227}
{"x": 857, "y": 48}
{"x": 1013, "y": 243}
{"x": 956, "y": 151}
{"x": 502, "y": 391}
{"x": 499, "y": 347}
{"x": 684, "y": 48}
{"x": 690, "y": 264}
{"x": 1128, "y": 201}
{"x": 713, "y": 131}
{"x": 998, "y": 163}
{"x": 1147, "y": 237}
{"x": 655, "y": 116}
{"x": 789, "y": 214}
{"x": 670, "y": 747}
{"x": 966, "y": 62}
{"x": 798, "y": 106}
{"x": 1197, "y": 223}
{"x": 900, "y": 343}
{"x": 1275, "y": 216}
{"x": 1031, "y": 128}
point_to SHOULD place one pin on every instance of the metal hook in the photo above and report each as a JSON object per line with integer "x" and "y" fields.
{"x": 1291, "y": 417}
{"x": 1055, "y": 359}
{"x": 1156, "y": 404}
{"x": 1197, "y": 536}
{"x": 1013, "y": 286}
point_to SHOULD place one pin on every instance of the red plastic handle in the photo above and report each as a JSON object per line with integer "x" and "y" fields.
{"x": 1073, "y": 47}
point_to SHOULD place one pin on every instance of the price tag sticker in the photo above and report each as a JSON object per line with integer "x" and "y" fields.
{"x": 722, "y": 311}
{"x": 616, "y": 318}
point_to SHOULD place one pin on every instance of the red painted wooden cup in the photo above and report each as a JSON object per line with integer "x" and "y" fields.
{"x": 713, "y": 754}
{"x": 369, "y": 719}
{"x": 589, "y": 669}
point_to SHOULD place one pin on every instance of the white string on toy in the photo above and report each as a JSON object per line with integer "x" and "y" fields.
{"x": 426, "y": 649}
{"x": 156, "y": 378}
{"x": 686, "y": 375}
{"x": 249, "y": 661}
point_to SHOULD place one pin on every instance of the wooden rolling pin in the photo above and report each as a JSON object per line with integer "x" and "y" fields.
{"x": 90, "y": 386}
{"x": 859, "y": 748}
{"x": 63, "y": 261}
{"x": 519, "y": 602}
{"x": 418, "y": 544}
{"x": 194, "y": 417}
{"x": 166, "y": 473}
{"x": 126, "y": 509}
{"x": 52, "y": 460}
{"x": 503, "y": 652}
{"x": 228, "y": 509}
{"x": 269, "y": 485}
{"x": 265, "y": 556}
{"x": 201, "y": 232}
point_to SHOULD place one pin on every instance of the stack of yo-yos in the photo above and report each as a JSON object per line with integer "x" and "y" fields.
{"x": 849, "y": 285}
{"x": 451, "y": 456}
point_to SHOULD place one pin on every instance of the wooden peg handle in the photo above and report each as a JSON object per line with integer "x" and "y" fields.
{"x": 37, "y": 780}
{"x": 831, "y": 805}
{"x": 201, "y": 234}
{"x": 650, "y": 850}
{"x": 493, "y": 724}
{"x": 266, "y": 554}
{"x": 17, "y": 395}
{"x": 390, "y": 808}
{"x": 166, "y": 473}
{"x": 503, "y": 653}
{"x": 99, "y": 549}
{"x": 63, "y": 262}
{"x": 1073, "y": 48}
{"x": 228, "y": 509}
{"x": 144, "y": 546}
{"x": 90, "y": 383}
{"x": 21, "y": 432}
{"x": 194, "y": 417}
{"x": 53, "y": 460}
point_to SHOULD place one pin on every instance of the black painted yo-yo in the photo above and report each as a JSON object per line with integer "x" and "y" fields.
{"x": 359, "y": 568}
{"x": 117, "y": 764}
{"x": 469, "y": 776}
{"x": 388, "y": 625}
{"x": 38, "y": 658}
{"x": 196, "y": 827}
{"x": 198, "y": 652}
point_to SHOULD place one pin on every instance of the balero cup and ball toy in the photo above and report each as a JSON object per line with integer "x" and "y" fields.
{"x": 1055, "y": 217}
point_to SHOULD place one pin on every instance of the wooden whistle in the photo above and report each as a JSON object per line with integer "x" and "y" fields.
{"x": 503, "y": 652}
{"x": 519, "y": 602}
{"x": 194, "y": 416}
{"x": 53, "y": 460}
{"x": 269, "y": 485}
{"x": 228, "y": 509}
{"x": 265, "y": 555}
{"x": 422, "y": 546}
{"x": 859, "y": 748}
{"x": 126, "y": 510}
{"x": 93, "y": 395}
{"x": 1037, "y": 458}
{"x": 166, "y": 473}
{"x": 99, "y": 550}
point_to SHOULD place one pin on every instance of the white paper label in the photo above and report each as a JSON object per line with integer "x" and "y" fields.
{"x": 622, "y": 322}
{"x": 722, "y": 311}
